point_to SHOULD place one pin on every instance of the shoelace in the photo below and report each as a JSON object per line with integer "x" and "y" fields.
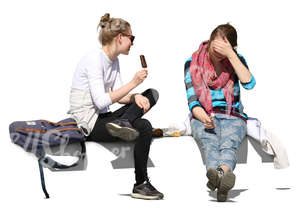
{"x": 220, "y": 172}
{"x": 150, "y": 185}
{"x": 125, "y": 122}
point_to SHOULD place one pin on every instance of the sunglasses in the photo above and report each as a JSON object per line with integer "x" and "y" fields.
{"x": 131, "y": 37}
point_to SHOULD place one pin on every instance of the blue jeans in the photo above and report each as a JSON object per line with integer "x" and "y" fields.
{"x": 222, "y": 142}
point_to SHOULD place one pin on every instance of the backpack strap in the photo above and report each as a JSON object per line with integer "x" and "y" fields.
{"x": 45, "y": 161}
{"x": 50, "y": 131}
{"x": 43, "y": 180}
{"x": 59, "y": 124}
{"x": 64, "y": 129}
{"x": 30, "y": 130}
{"x": 54, "y": 165}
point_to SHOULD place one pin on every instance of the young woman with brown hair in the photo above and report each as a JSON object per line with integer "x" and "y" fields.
{"x": 212, "y": 77}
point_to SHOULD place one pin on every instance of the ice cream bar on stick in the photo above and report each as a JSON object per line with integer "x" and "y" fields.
{"x": 143, "y": 61}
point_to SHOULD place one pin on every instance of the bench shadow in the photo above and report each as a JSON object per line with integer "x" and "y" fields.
{"x": 124, "y": 152}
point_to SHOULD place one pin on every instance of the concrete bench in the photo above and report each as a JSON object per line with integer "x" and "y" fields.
{"x": 124, "y": 153}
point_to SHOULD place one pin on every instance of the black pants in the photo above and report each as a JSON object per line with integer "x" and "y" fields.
{"x": 133, "y": 113}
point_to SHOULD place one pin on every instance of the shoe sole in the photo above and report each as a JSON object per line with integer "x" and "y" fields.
{"x": 145, "y": 197}
{"x": 213, "y": 177}
{"x": 226, "y": 184}
{"x": 125, "y": 133}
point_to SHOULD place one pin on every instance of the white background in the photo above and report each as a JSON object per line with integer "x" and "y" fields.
{"x": 41, "y": 43}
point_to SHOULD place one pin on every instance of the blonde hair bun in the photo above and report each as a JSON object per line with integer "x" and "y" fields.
{"x": 104, "y": 20}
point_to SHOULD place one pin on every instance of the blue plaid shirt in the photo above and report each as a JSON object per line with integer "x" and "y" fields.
{"x": 218, "y": 98}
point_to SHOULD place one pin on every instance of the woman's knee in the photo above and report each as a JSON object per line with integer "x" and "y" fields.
{"x": 142, "y": 125}
{"x": 151, "y": 94}
{"x": 231, "y": 142}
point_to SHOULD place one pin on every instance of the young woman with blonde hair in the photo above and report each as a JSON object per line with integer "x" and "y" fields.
{"x": 97, "y": 84}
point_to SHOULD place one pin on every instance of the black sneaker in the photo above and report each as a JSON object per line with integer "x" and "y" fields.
{"x": 146, "y": 191}
{"x": 226, "y": 183}
{"x": 122, "y": 129}
{"x": 213, "y": 179}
